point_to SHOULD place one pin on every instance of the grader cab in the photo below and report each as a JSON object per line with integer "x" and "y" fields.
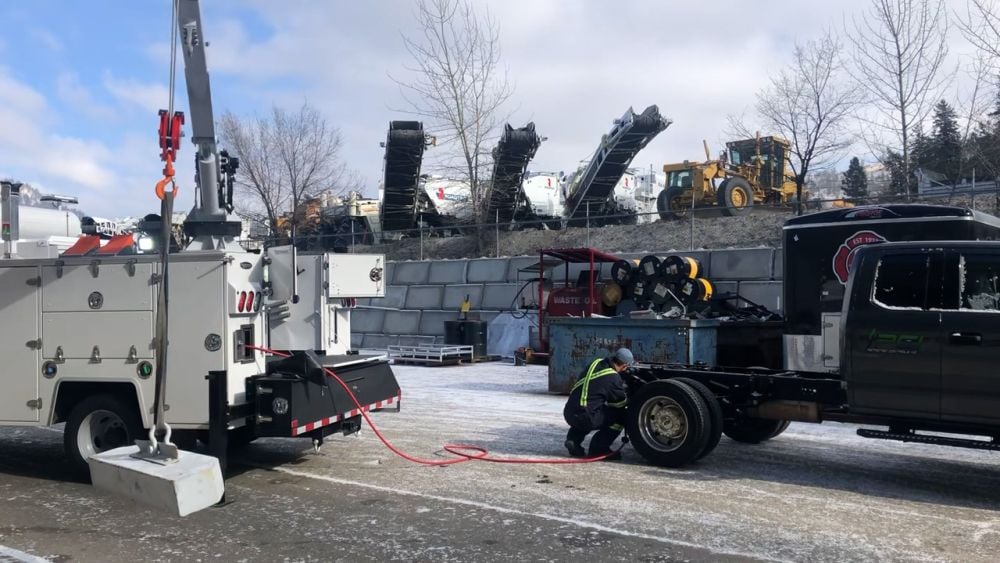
{"x": 750, "y": 171}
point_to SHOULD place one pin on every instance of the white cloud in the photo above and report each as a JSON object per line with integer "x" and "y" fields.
{"x": 71, "y": 91}
{"x": 46, "y": 38}
{"x": 148, "y": 96}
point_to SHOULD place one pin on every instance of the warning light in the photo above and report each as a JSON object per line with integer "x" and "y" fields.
{"x": 144, "y": 369}
{"x": 243, "y": 302}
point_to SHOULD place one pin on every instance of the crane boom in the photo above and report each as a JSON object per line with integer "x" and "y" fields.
{"x": 209, "y": 223}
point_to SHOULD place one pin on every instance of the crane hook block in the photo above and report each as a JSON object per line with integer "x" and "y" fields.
{"x": 170, "y": 133}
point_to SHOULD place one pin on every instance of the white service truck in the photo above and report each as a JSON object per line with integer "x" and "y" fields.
{"x": 80, "y": 330}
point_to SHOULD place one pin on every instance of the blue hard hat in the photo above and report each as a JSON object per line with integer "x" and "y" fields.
{"x": 624, "y": 356}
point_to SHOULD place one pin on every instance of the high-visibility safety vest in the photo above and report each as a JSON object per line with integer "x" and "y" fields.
{"x": 591, "y": 375}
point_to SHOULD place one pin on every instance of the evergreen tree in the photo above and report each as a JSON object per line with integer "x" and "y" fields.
{"x": 855, "y": 181}
{"x": 946, "y": 143}
{"x": 898, "y": 182}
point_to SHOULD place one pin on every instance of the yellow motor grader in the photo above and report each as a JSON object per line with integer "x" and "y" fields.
{"x": 748, "y": 172}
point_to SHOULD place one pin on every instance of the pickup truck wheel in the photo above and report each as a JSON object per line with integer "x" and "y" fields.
{"x": 715, "y": 419}
{"x": 667, "y": 422}
{"x": 754, "y": 430}
{"x": 98, "y": 424}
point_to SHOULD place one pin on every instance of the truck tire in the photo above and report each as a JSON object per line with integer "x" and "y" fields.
{"x": 667, "y": 422}
{"x": 735, "y": 196}
{"x": 97, "y": 424}
{"x": 715, "y": 417}
{"x": 754, "y": 430}
{"x": 670, "y": 205}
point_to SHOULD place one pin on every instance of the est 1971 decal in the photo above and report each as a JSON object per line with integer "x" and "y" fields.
{"x": 845, "y": 254}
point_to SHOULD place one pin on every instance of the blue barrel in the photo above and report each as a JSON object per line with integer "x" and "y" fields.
{"x": 574, "y": 342}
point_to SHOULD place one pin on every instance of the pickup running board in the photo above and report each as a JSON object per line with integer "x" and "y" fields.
{"x": 925, "y": 439}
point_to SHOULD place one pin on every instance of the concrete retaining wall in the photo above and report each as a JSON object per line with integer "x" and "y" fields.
{"x": 422, "y": 295}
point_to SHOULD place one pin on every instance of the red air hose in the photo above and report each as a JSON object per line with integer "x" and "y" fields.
{"x": 463, "y": 451}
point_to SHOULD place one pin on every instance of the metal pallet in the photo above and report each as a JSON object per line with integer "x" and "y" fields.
{"x": 437, "y": 354}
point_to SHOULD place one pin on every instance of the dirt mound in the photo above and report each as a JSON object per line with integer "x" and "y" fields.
{"x": 760, "y": 228}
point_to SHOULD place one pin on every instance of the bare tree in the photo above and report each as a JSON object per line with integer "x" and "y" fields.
{"x": 981, "y": 27}
{"x": 286, "y": 158}
{"x": 899, "y": 56}
{"x": 808, "y": 103}
{"x": 459, "y": 86}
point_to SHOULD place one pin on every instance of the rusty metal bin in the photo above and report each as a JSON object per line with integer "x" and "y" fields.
{"x": 574, "y": 342}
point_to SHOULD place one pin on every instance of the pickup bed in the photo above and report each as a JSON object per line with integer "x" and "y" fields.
{"x": 919, "y": 338}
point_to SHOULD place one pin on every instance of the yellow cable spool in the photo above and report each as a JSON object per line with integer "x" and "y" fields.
{"x": 611, "y": 294}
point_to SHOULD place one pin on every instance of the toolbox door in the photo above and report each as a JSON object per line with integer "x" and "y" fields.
{"x": 19, "y": 289}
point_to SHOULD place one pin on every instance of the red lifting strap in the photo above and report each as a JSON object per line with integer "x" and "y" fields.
{"x": 83, "y": 246}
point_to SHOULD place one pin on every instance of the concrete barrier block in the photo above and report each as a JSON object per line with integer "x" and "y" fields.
{"x": 401, "y": 323}
{"x": 395, "y": 298}
{"x": 423, "y": 297}
{"x": 411, "y": 273}
{"x": 390, "y": 269}
{"x": 378, "y": 341}
{"x": 742, "y": 264}
{"x": 485, "y": 315}
{"x": 432, "y": 322}
{"x": 365, "y": 301}
{"x": 516, "y": 264}
{"x": 498, "y": 297}
{"x": 722, "y": 287}
{"x": 356, "y": 340}
{"x": 367, "y": 320}
{"x": 487, "y": 270}
{"x": 455, "y": 294}
{"x": 778, "y": 272}
{"x": 416, "y": 340}
{"x": 766, "y": 293}
{"x": 447, "y": 271}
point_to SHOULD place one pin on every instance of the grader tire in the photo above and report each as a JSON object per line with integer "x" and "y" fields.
{"x": 735, "y": 196}
{"x": 670, "y": 204}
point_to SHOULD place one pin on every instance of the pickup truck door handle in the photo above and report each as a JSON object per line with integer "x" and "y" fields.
{"x": 965, "y": 339}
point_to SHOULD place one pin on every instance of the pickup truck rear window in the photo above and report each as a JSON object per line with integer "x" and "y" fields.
{"x": 901, "y": 281}
{"x": 979, "y": 282}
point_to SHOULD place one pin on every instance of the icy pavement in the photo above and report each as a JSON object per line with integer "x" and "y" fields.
{"x": 817, "y": 493}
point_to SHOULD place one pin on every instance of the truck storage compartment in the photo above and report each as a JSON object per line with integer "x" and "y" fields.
{"x": 296, "y": 396}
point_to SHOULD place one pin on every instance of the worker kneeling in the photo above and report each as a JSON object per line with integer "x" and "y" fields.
{"x": 597, "y": 402}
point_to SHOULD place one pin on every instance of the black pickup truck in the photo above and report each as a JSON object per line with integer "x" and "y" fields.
{"x": 919, "y": 354}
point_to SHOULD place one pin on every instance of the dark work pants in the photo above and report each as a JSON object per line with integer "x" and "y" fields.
{"x": 607, "y": 421}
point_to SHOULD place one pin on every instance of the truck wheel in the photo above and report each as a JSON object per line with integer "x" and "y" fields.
{"x": 667, "y": 422}
{"x": 754, "y": 430}
{"x": 715, "y": 419}
{"x": 670, "y": 204}
{"x": 735, "y": 196}
{"x": 97, "y": 424}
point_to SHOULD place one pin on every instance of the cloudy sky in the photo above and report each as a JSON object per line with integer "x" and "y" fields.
{"x": 80, "y": 82}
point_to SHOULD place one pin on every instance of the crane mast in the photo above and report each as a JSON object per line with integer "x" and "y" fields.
{"x": 209, "y": 223}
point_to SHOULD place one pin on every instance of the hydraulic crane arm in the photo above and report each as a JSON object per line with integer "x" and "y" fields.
{"x": 209, "y": 222}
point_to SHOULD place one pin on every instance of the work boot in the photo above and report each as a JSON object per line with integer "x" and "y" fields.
{"x": 575, "y": 449}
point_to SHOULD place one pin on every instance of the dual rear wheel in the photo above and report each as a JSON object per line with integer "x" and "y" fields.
{"x": 674, "y": 422}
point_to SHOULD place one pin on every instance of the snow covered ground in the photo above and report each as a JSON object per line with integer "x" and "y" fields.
{"x": 818, "y": 493}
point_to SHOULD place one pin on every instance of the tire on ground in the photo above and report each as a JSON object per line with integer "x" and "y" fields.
{"x": 715, "y": 418}
{"x": 96, "y": 424}
{"x": 664, "y": 207}
{"x": 754, "y": 430}
{"x": 667, "y": 422}
{"x": 734, "y": 196}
